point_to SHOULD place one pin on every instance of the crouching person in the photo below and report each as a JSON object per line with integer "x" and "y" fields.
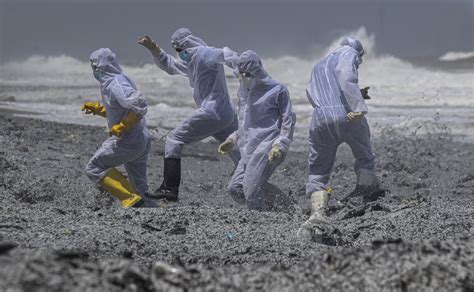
{"x": 266, "y": 125}
{"x": 129, "y": 143}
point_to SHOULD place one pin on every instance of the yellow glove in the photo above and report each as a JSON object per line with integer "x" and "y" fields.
{"x": 275, "y": 153}
{"x": 94, "y": 108}
{"x": 130, "y": 120}
{"x": 226, "y": 146}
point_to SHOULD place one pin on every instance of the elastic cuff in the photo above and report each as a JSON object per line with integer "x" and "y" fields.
{"x": 233, "y": 137}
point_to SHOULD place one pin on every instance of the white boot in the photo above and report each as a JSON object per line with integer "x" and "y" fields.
{"x": 319, "y": 202}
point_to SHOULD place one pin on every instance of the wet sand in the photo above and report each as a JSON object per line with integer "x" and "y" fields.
{"x": 59, "y": 233}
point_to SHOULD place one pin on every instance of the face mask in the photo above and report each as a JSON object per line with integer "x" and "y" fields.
{"x": 95, "y": 71}
{"x": 97, "y": 75}
{"x": 183, "y": 55}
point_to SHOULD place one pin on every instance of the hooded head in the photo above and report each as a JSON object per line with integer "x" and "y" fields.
{"x": 183, "y": 39}
{"x": 104, "y": 63}
{"x": 353, "y": 43}
{"x": 185, "y": 43}
{"x": 249, "y": 62}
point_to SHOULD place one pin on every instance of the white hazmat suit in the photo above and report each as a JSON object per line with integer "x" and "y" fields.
{"x": 266, "y": 120}
{"x": 120, "y": 97}
{"x": 215, "y": 115}
{"x": 333, "y": 92}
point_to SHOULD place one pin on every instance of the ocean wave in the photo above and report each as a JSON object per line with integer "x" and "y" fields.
{"x": 456, "y": 56}
{"x": 64, "y": 80}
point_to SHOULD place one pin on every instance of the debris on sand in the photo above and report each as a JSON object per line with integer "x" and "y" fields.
{"x": 59, "y": 233}
{"x": 390, "y": 264}
{"x": 6, "y": 246}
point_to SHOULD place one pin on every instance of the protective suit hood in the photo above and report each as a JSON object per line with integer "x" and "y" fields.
{"x": 353, "y": 43}
{"x": 183, "y": 38}
{"x": 250, "y": 62}
{"x": 106, "y": 62}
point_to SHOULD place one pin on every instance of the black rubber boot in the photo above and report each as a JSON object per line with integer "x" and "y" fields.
{"x": 171, "y": 180}
{"x": 140, "y": 204}
{"x": 373, "y": 193}
{"x": 146, "y": 202}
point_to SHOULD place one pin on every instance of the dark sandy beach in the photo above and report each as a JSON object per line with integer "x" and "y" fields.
{"x": 59, "y": 233}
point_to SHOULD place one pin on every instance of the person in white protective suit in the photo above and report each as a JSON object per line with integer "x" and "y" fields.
{"x": 266, "y": 125}
{"x": 338, "y": 116}
{"x": 129, "y": 143}
{"x": 215, "y": 116}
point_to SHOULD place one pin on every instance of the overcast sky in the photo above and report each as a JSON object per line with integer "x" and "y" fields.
{"x": 272, "y": 28}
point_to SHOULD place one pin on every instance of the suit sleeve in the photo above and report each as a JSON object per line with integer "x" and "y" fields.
{"x": 288, "y": 121}
{"x": 129, "y": 98}
{"x": 348, "y": 78}
{"x": 170, "y": 64}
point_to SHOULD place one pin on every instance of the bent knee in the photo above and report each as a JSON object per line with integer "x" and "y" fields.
{"x": 93, "y": 171}
{"x": 235, "y": 187}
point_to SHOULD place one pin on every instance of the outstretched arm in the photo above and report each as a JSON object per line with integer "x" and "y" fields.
{"x": 170, "y": 64}
{"x": 163, "y": 60}
{"x": 224, "y": 56}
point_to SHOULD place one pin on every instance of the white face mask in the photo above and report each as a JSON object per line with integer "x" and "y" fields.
{"x": 96, "y": 71}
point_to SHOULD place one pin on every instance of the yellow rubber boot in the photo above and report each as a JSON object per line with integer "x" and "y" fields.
{"x": 117, "y": 184}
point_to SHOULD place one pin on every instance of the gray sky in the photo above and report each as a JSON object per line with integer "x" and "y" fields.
{"x": 272, "y": 28}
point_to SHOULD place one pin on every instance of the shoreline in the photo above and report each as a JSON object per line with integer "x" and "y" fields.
{"x": 161, "y": 118}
